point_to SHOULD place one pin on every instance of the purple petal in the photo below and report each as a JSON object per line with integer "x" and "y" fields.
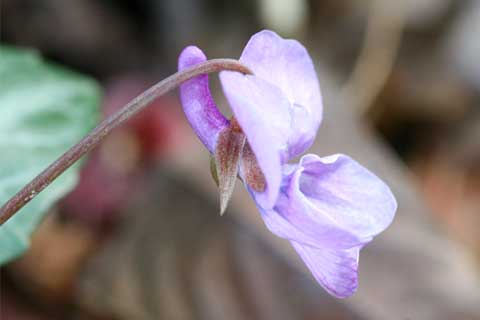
{"x": 262, "y": 111}
{"x": 349, "y": 194}
{"x": 201, "y": 111}
{"x": 286, "y": 64}
{"x": 324, "y": 235}
{"x": 334, "y": 269}
{"x": 330, "y": 202}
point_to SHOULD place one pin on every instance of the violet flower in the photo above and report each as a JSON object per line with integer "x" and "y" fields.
{"x": 328, "y": 208}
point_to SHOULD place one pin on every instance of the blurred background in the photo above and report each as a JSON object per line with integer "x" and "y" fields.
{"x": 140, "y": 237}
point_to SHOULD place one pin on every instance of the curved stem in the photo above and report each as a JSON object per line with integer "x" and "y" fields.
{"x": 93, "y": 139}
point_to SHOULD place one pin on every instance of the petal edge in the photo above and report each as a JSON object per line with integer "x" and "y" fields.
{"x": 335, "y": 270}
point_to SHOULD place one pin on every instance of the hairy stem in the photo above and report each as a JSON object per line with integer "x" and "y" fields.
{"x": 93, "y": 139}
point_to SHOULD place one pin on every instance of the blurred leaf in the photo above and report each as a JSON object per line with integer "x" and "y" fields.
{"x": 44, "y": 109}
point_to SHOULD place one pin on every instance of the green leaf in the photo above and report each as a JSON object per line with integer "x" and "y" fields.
{"x": 44, "y": 110}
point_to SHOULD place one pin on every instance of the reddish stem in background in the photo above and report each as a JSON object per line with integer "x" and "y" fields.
{"x": 93, "y": 139}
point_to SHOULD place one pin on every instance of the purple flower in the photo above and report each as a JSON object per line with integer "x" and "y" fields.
{"x": 328, "y": 208}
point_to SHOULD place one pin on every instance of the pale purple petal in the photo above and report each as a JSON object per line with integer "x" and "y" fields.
{"x": 261, "y": 109}
{"x": 334, "y": 269}
{"x": 330, "y": 202}
{"x": 286, "y": 64}
{"x": 201, "y": 111}
{"x": 328, "y": 235}
{"x": 340, "y": 189}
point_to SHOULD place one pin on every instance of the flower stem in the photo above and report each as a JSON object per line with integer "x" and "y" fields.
{"x": 93, "y": 139}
